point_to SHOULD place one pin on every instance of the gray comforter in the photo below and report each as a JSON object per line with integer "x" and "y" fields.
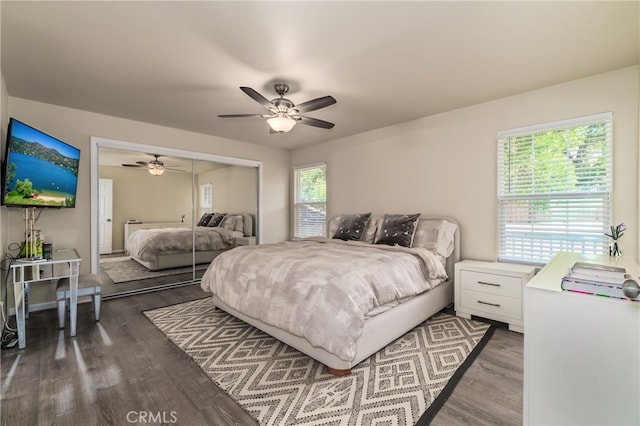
{"x": 320, "y": 288}
{"x": 146, "y": 244}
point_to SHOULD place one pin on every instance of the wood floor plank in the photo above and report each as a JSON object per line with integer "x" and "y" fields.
{"x": 124, "y": 364}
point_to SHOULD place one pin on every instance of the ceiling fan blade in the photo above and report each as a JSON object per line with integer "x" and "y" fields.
{"x": 257, "y": 97}
{"x": 244, "y": 115}
{"x": 314, "y": 122}
{"x": 142, "y": 163}
{"x": 133, "y": 165}
{"x": 315, "y": 104}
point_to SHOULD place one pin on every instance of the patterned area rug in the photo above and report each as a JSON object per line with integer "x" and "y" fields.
{"x": 123, "y": 269}
{"x": 277, "y": 385}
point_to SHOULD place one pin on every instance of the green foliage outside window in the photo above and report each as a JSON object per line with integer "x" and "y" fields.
{"x": 312, "y": 185}
{"x": 557, "y": 161}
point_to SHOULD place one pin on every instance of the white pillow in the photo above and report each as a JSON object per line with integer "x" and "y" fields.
{"x": 229, "y": 222}
{"x": 437, "y": 235}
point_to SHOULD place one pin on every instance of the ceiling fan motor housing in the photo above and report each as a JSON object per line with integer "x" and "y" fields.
{"x": 282, "y": 105}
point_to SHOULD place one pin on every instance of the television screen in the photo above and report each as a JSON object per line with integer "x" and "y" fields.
{"x": 39, "y": 170}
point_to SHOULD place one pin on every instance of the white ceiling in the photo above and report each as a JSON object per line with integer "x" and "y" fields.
{"x": 180, "y": 64}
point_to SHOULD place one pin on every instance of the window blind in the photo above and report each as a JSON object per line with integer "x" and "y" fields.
{"x": 310, "y": 203}
{"x": 554, "y": 189}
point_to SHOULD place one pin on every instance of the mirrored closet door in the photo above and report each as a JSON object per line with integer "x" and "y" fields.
{"x": 148, "y": 204}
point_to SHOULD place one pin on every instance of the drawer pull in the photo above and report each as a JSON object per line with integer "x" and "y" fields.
{"x": 486, "y": 283}
{"x": 490, "y": 304}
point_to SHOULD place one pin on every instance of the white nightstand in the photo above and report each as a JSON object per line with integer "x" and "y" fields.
{"x": 491, "y": 290}
{"x": 245, "y": 241}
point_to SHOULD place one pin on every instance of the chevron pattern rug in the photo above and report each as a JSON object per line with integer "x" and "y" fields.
{"x": 403, "y": 384}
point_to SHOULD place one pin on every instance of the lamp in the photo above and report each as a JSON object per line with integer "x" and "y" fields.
{"x": 281, "y": 123}
{"x": 155, "y": 169}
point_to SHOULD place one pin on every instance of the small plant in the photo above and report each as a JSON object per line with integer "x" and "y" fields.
{"x": 617, "y": 232}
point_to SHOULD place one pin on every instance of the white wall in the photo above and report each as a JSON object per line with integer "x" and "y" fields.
{"x": 139, "y": 195}
{"x": 446, "y": 163}
{"x": 71, "y": 227}
{"x": 234, "y": 189}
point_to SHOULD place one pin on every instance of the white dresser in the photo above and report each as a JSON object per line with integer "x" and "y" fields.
{"x": 491, "y": 290}
{"x": 581, "y": 352}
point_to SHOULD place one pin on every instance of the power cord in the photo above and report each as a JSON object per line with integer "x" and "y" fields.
{"x": 9, "y": 337}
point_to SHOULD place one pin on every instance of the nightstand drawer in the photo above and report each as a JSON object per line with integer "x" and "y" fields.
{"x": 492, "y": 304}
{"x": 503, "y": 285}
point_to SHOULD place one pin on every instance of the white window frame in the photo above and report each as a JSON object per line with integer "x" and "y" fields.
{"x": 572, "y": 220}
{"x": 205, "y": 198}
{"x": 319, "y": 227}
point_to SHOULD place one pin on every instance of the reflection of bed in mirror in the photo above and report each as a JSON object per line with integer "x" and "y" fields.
{"x": 172, "y": 247}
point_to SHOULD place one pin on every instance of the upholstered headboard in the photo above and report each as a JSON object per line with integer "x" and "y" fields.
{"x": 248, "y": 221}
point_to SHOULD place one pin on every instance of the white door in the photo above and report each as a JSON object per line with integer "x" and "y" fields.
{"x": 105, "y": 215}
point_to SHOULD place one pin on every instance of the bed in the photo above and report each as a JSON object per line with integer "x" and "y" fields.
{"x": 164, "y": 248}
{"x": 283, "y": 289}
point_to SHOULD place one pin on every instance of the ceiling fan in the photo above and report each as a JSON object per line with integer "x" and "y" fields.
{"x": 284, "y": 114}
{"x": 155, "y": 166}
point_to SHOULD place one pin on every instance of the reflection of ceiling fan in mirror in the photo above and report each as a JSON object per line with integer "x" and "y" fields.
{"x": 155, "y": 166}
{"x": 284, "y": 114}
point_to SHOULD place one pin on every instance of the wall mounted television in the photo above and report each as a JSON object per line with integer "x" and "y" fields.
{"x": 39, "y": 170}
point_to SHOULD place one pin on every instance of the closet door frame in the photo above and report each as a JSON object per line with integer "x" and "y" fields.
{"x": 97, "y": 143}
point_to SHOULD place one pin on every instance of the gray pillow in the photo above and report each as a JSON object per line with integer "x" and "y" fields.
{"x": 397, "y": 229}
{"x": 351, "y": 228}
{"x": 229, "y": 222}
{"x": 215, "y": 220}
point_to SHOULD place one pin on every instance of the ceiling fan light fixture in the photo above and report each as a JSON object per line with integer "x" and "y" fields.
{"x": 155, "y": 169}
{"x": 281, "y": 123}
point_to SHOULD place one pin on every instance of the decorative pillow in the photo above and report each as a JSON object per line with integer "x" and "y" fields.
{"x": 437, "y": 235}
{"x": 334, "y": 222}
{"x": 204, "y": 220}
{"x": 216, "y": 219}
{"x": 239, "y": 224}
{"x": 397, "y": 229}
{"x": 371, "y": 229}
{"x": 352, "y": 227}
{"x": 229, "y": 222}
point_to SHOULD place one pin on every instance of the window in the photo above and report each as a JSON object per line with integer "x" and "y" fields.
{"x": 554, "y": 189}
{"x": 310, "y": 203}
{"x": 205, "y": 198}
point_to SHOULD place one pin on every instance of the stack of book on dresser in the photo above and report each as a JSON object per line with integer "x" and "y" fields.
{"x": 592, "y": 278}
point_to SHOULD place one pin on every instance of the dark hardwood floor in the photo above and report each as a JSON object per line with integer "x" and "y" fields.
{"x": 123, "y": 370}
